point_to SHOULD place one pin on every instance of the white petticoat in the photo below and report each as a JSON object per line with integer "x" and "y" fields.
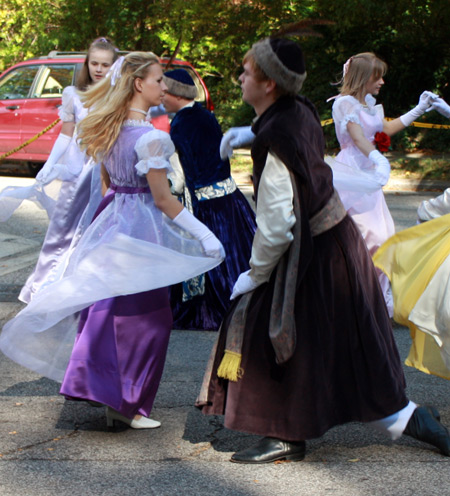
{"x": 108, "y": 260}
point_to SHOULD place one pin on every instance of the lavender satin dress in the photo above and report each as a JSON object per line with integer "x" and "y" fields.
{"x": 102, "y": 327}
{"x": 121, "y": 345}
{"x": 120, "y": 351}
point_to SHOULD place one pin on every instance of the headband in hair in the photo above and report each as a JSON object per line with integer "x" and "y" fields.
{"x": 346, "y": 66}
{"x": 115, "y": 71}
{"x": 281, "y": 60}
{"x": 107, "y": 42}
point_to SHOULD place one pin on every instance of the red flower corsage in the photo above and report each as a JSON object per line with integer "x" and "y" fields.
{"x": 382, "y": 141}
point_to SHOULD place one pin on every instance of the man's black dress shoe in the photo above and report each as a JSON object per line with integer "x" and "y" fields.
{"x": 433, "y": 412}
{"x": 270, "y": 449}
{"x": 425, "y": 426}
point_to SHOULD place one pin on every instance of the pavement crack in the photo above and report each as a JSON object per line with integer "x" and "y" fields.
{"x": 28, "y": 447}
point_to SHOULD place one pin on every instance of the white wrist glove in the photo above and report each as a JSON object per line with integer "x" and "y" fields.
{"x": 176, "y": 177}
{"x": 244, "y": 284}
{"x": 441, "y": 106}
{"x": 235, "y": 138}
{"x": 156, "y": 111}
{"x": 383, "y": 167}
{"x": 211, "y": 245}
{"x": 48, "y": 173}
{"x": 418, "y": 110}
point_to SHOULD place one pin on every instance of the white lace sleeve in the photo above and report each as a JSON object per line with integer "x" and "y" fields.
{"x": 154, "y": 150}
{"x": 345, "y": 109}
{"x": 67, "y": 110}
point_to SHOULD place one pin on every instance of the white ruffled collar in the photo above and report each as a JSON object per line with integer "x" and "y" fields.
{"x": 370, "y": 101}
{"x": 137, "y": 123}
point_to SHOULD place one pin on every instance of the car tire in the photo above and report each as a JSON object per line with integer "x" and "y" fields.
{"x": 34, "y": 168}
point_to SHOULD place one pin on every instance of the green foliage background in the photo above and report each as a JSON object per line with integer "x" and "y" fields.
{"x": 410, "y": 35}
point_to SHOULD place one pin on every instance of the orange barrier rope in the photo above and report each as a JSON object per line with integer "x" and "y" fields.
{"x": 414, "y": 124}
{"x": 325, "y": 122}
{"x": 26, "y": 143}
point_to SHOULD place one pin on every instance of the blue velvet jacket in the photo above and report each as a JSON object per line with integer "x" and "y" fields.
{"x": 196, "y": 135}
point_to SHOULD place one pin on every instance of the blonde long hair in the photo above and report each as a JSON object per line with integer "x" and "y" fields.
{"x": 108, "y": 104}
{"x": 359, "y": 70}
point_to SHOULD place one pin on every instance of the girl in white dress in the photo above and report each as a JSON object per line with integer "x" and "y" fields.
{"x": 360, "y": 170}
{"x": 77, "y": 180}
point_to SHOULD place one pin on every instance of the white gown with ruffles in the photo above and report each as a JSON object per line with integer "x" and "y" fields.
{"x": 71, "y": 185}
{"x": 354, "y": 176}
{"x": 69, "y": 166}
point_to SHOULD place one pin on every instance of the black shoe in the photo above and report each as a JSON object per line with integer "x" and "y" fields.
{"x": 425, "y": 426}
{"x": 269, "y": 449}
{"x": 433, "y": 412}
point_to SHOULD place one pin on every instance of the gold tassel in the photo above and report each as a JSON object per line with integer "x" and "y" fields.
{"x": 230, "y": 366}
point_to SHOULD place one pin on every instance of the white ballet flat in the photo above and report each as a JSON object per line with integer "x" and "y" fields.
{"x": 142, "y": 423}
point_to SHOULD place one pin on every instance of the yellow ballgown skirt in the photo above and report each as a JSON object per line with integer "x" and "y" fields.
{"x": 417, "y": 262}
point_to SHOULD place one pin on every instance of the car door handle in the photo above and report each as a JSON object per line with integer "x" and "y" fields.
{"x": 13, "y": 107}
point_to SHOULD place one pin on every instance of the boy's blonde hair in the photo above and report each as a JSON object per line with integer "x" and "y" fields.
{"x": 108, "y": 104}
{"x": 360, "y": 69}
{"x": 260, "y": 75}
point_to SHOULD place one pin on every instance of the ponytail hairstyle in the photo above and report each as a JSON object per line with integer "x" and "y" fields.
{"x": 83, "y": 78}
{"x": 108, "y": 103}
{"x": 358, "y": 70}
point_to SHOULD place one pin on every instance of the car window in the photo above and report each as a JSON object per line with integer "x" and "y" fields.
{"x": 53, "y": 79}
{"x": 17, "y": 83}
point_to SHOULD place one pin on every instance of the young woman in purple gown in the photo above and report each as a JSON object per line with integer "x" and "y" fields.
{"x": 112, "y": 298}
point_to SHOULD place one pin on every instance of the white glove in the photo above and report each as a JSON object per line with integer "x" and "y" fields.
{"x": 441, "y": 106}
{"x": 235, "y": 138}
{"x": 176, "y": 177}
{"x": 156, "y": 111}
{"x": 418, "y": 110}
{"x": 60, "y": 146}
{"x": 211, "y": 245}
{"x": 383, "y": 167}
{"x": 244, "y": 284}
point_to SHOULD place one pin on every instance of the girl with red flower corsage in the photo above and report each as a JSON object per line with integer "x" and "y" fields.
{"x": 360, "y": 170}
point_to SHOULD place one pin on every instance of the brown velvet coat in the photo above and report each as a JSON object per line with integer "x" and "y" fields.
{"x": 345, "y": 365}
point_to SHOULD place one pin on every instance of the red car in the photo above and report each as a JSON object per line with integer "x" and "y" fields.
{"x": 30, "y": 94}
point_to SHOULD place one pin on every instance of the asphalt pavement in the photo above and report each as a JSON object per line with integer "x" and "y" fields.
{"x": 50, "y": 446}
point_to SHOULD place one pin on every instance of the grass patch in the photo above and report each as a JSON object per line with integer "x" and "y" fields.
{"x": 432, "y": 167}
{"x": 241, "y": 163}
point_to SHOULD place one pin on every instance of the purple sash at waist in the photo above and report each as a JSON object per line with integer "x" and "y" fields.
{"x": 113, "y": 189}
{"x": 130, "y": 190}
